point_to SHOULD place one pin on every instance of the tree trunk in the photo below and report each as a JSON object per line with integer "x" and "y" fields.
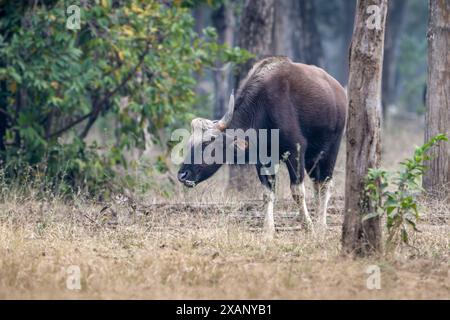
{"x": 201, "y": 14}
{"x": 3, "y": 114}
{"x": 348, "y": 13}
{"x": 295, "y": 31}
{"x": 307, "y": 37}
{"x": 255, "y": 35}
{"x": 363, "y": 125}
{"x": 392, "y": 43}
{"x": 255, "y": 32}
{"x": 223, "y": 21}
{"x": 283, "y": 28}
{"x": 437, "y": 178}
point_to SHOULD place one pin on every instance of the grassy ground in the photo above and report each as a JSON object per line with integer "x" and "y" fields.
{"x": 183, "y": 250}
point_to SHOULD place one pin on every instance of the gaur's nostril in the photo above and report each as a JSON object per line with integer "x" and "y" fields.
{"x": 182, "y": 176}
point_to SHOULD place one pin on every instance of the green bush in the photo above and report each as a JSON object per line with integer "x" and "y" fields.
{"x": 395, "y": 195}
{"x": 133, "y": 61}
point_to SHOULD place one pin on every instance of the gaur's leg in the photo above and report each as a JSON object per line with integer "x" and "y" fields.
{"x": 321, "y": 172}
{"x": 296, "y": 167}
{"x": 299, "y": 195}
{"x": 322, "y": 196}
{"x": 269, "y": 198}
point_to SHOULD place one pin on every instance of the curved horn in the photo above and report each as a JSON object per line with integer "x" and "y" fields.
{"x": 226, "y": 119}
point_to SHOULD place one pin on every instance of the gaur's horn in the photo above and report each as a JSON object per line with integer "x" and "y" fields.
{"x": 226, "y": 119}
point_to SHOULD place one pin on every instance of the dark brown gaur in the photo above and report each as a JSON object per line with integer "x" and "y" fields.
{"x": 308, "y": 106}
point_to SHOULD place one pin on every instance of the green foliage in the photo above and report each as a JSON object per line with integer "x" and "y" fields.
{"x": 395, "y": 196}
{"x": 134, "y": 62}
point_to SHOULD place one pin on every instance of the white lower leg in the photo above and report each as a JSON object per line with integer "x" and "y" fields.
{"x": 299, "y": 195}
{"x": 269, "y": 224}
{"x": 323, "y": 191}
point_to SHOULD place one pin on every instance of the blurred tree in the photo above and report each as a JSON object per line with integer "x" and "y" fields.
{"x": 348, "y": 14}
{"x": 223, "y": 21}
{"x": 283, "y": 29}
{"x": 255, "y": 35}
{"x": 363, "y": 126}
{"x": 412, "y": 60}
{"x": 255, "y": 32}
{"x": 437, "y": 180}
{"x": 307, "y": 38}
{"x": 394, "y": 26}
{"x": 131, "y": 60}
{"x": 334, "y": 20}
{"x": 201, "y": 13}
{"x": 296, "y": 32}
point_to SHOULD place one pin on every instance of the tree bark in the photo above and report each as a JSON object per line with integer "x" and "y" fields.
{"x": 283, "y": 28}
{"x": 437, "y": 179}
{"x": 3, "y": 115}
{"x": 223, "y": 21}
{"x": 392, "y": 43}
{"x": 255, "y": 35}
{"x": 3, "y": 91}
{"x": 363, "y": 126}
{"x": 307, "y": 37}
{"x": 295, "y": 31}
{"x": 348, "y": 13}
{"x": 255, "y": 32}
{"x": 201, "y": 13}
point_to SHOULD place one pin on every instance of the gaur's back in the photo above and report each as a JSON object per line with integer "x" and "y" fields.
{"x": 306, "y": 93}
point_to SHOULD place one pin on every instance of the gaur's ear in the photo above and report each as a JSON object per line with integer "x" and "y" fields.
{"x": 242, "y": 144}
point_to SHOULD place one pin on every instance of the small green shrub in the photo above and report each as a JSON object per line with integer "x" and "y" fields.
{"x": 395, "y": 195}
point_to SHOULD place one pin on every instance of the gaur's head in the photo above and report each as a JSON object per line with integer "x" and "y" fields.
{"x": 207, "y": 138}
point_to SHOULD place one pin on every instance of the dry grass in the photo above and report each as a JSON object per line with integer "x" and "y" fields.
{"x": 157, "y": 252}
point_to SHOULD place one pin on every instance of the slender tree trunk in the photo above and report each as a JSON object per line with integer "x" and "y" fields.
{"x": 437, "y": 178}
{"x": 283, "y": 28}
{"x": 201, "y": 14}
{"x": 307, "y": 41}
{"x": 3, "y": 90}
{"x": 363, "y": 125}
{"x": 255, "y": 35}
{"x": 255, "y": 32}
{"x": 295, "y": 31}
{"x": 392, "y": 43}
{"x": 348, "y": 13}
{"x": 223, "y": 21}
{"x": 3, "y": 114}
